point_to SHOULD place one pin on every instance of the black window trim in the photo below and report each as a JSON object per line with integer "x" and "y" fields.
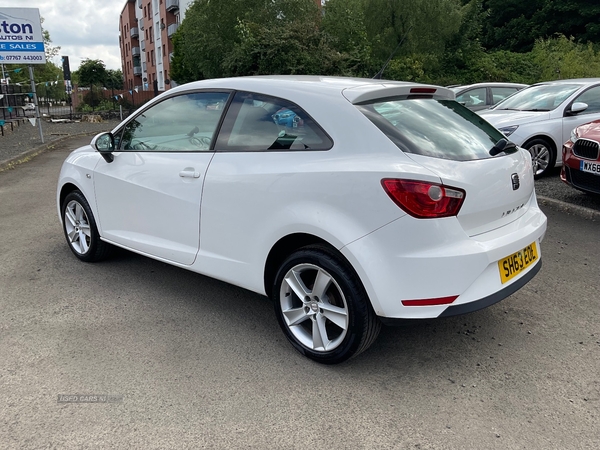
{"x": 567, "y": 110}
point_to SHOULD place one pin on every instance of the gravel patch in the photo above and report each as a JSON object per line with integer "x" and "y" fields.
{"x": 27, "y": 137}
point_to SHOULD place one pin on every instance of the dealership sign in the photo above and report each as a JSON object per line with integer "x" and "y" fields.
{"x": 21, "y": 39}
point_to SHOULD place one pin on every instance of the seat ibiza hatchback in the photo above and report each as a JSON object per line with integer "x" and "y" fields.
{"x": 349, "y": 202}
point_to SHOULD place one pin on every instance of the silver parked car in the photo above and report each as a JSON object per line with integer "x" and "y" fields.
{"x": 541, "y": 117}
{"x": 484, "y": 95}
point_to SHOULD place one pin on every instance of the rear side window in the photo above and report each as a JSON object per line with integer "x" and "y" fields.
{"x": 256, "y": 122}
{"x": 473, "y": 97}
{"x": 431, "y": 127}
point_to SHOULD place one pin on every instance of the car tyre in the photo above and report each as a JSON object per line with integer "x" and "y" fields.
{"x": 543, "y": 156}
{"x": 322, "y": 306}
{"x": 80, "y": 229}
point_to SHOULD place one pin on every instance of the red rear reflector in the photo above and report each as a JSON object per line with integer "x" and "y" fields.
{"x": 424, "y": 200}
{"x": 430, "y": 301}
{"x": 423, "y": 90}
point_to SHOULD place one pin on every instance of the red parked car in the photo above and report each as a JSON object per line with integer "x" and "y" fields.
{"x": 581, "y": 158}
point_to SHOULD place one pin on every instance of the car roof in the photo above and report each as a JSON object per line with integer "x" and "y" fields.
{"x": 583, "y": 81}
{"x": 461, "y": 87}
{"x": 355, "y": 90}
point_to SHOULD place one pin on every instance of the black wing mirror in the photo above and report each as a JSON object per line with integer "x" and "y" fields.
{"x": 104, "y": 143}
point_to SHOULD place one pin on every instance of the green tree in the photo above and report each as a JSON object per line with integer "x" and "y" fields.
{"x": 205, "y": 36}
{"x": 218, "y": 39}
{"x": 426, "y": 25}
{"x": 515, "y": 25}
{"x": 562, "y": 57}
{"x": 92, "y": 72}
{"x": 344, "y": 25}
{"x": 114, "y": 79}
{"x": 283, "y": 37}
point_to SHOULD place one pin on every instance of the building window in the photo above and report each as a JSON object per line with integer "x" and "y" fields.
{"x": 164, "y": 51}
{"x": 151, "y": 35}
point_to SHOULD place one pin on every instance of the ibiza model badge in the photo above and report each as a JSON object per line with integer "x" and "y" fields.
{"x": 515, "y": 181}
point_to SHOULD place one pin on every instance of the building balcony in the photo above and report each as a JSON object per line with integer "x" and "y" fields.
{"x": 135, "y": 32}
{"x": 171, "y": 57}
{"x": 144, "y": 66}
{"x": 143, "y": 45}
{"x": 141, "y": 23}
{"x": 172, "y": 5}
{"x": 171, "y": 29}
{"x": 140, "y": 4}
{"x": 137, "y": 71}
{"x": 135, "y": 51}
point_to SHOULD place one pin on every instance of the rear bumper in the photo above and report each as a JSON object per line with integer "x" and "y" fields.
{"x": 411, "y": 259}
{"x": 476, "y": 305}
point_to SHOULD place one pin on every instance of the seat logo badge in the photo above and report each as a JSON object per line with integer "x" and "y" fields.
{"x": 515, "y": 181}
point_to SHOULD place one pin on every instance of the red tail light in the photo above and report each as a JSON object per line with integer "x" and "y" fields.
{"x": 424, "y": 200}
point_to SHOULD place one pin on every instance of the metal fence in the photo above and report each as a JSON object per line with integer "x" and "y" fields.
{"x": 17, "y": 103}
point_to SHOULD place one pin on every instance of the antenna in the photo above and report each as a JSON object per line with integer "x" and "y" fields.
{"x": 380, "y": 73}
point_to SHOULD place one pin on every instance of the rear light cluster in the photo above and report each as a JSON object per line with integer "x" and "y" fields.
{"x": 424, "y": 200}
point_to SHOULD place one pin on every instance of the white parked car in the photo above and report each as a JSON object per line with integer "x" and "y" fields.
{"x": 540, "y": 118}
{"x": 349, "y": 202}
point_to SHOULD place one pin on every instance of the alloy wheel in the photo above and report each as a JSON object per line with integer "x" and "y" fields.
{"x": 314, "y": 307}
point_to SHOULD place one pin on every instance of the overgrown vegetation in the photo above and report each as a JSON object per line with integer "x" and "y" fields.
{"x": 443, "y": 41}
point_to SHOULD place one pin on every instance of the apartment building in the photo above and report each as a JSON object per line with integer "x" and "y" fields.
{"x": 145, "y": 31}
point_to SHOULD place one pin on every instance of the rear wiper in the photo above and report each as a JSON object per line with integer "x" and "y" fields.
{"x": 503, "y": 146}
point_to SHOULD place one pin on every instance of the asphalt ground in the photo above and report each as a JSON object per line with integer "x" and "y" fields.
{"x": 196, "y": 363}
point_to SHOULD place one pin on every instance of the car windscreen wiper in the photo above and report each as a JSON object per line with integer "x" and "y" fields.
{"x": 536, "y": 110}
{"x": 503, "y": 146}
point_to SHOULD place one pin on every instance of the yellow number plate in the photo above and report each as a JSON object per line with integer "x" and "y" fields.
{"x": 513, "y": 265}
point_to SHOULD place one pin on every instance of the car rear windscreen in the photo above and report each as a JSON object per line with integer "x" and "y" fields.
{"x": 433, "y": 127}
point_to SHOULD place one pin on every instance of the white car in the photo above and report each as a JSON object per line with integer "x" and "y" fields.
{"x": 349, "y": 202}
{"x": 540, "y": 118}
